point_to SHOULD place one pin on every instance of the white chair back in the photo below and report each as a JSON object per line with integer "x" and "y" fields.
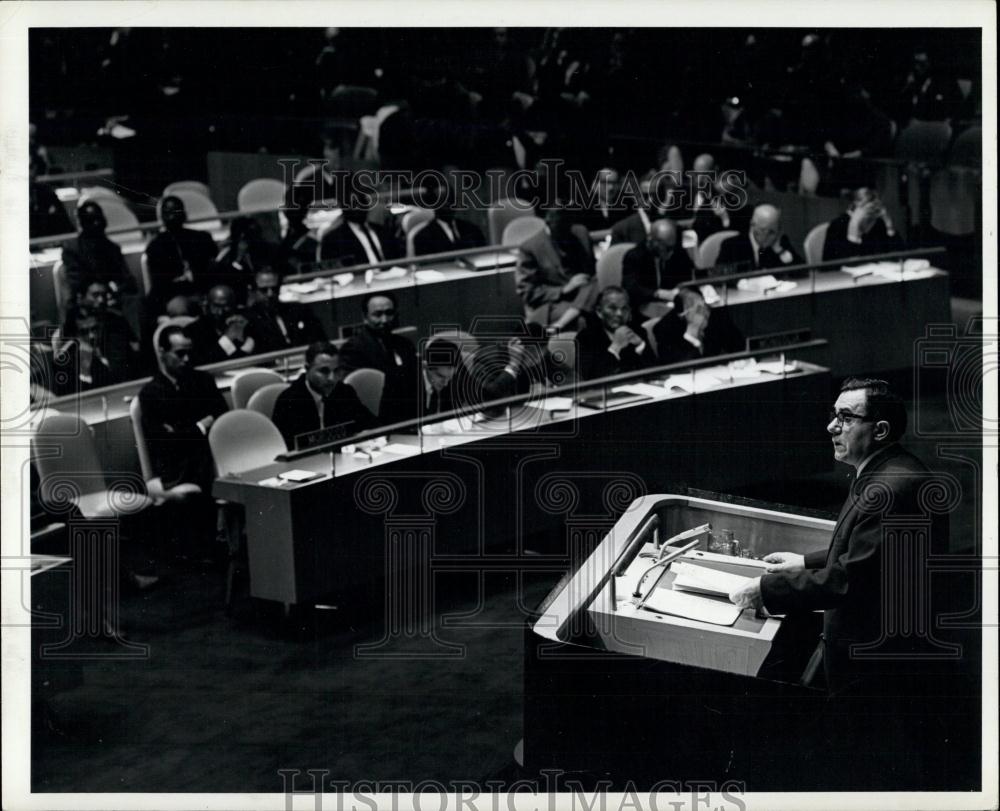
{"x": 264, "y": 193}
{"x": 814, "y": 242}
{"x": 368, "y": 383}
{"x": 197, "y": 206}
{"x": 521, "y": 229}
{"x": 118, "y": 215}
{"x": 262, "y": 401}
{"x": 502, "y": 212}
{"x": 416, "y": 217}
{"x": 708, "y": 251}
{"x": 242, "y": 440}
{"x": 609, "y": 266}
{"x": 187, "y": 185}
{"x": 248, "y": 381}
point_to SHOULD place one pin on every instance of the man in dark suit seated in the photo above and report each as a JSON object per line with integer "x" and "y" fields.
{"x": 606, "y": 208}
{"x": 875, "y": 660}
{"x": 447, "y": 232}
{"x": 179, "y": 258}
{"x": 442, "y": 377}
{"x": 663, "y": 199}
{"x": 222, "y": 333}
{"x": 98, "y": 341}
{"x": 693, "y": 330}
{"x": 276, "y": 324}
{"x": 297, "y": 251}
{"x": 720, "y": 200}
{"x": 652, "y": 270}
{"x": 319, "y": 398}
{"x": 179, "y": 406}
{"x": 374, "y": 346}
{"x": 94, "y": 257}
{"x": 356, "y": 241}
{"x": 764, "y": 246}
{"x": 864, "y": 230}
{"x": 555, "y": 272}
{"x": 509, "y": 365}
{"x": 608, "y": 345}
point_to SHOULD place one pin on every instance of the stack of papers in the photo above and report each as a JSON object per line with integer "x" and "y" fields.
{"x": 390, "y": 274}
{"x": 552, "y": 404}
{"x": 429, "y": 275}
{"x": 344, "y": 279}
{"x": 702, "y": 580}
{"x": 644, "y": 389}
{"x": 299, "y": 475}
{"x": 399, "y": 449}
{"x": 692, "y": 607}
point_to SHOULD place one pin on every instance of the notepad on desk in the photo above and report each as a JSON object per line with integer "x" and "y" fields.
{"x": 692, "y": 607}
{"x": 702, "y": 580}
{"x": 299, "y": 475}
{"x": 642, "y": 389}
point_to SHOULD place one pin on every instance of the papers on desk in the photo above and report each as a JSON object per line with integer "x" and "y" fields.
{"x": 912, "y": 269}
{"x": 766, "y": 284}
{"x": 710, "y": 294}
{"x": 552, "y": 404}
{"x": 429, "y": 276}
{"x": 487, "y": 261}
{"x": 452, "y": 426}
{"x": 46, "y": 256}
{"x": 390, "y": 274}
{"x": 302, "y": 288}
{"x": 299, "y": 475}
{"x": 775, "y": 367}
{"x": 702, "y": 580}
{"x": 692, "y": 607}
{"x": 344, "y": 279}
{"x": 399, "y": 449}
{"x": 701, "y": 380}
{"x": 642, "y": 389}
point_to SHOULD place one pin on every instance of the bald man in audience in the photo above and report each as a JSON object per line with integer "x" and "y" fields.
{"x": 608, "y": 345}
{"x": 864, "y": 229}
{"x": 652, "y": 270}
{"x": 764, "y": 246}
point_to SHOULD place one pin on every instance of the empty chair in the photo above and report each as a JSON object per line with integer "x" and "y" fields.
{"x": 98, "y": 193}
{"x": 187, "y": 185}
{"x": 118, "y": 216}
{"x": 923, "y": 141}
{"x": 262, "y": 194}
{"x": 154, "y": 486}
{"x": 242, "y": 440}
{"x": 368, "y": 384}
{"x": 955, "y": 193}
{"x": 521, "y": 229}
{"x": 262, "y": 401}
{"x": 609, "y": 266}
{"x": 967, "y": 149}
{"x": 502, "y": 212}
{"x": 813, "y": 243}
{"x": 70, "y": 474}
{"x": 249, "y": 381}
{"x": 198, "y": 206}
{"x": 416, "y": 217}
{"x": 708, "y": 251}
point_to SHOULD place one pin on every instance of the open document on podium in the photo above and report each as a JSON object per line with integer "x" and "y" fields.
{"x": 701, "y": 581}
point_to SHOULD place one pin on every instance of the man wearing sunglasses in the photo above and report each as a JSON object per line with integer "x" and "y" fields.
{"x": 861, "y": 582}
